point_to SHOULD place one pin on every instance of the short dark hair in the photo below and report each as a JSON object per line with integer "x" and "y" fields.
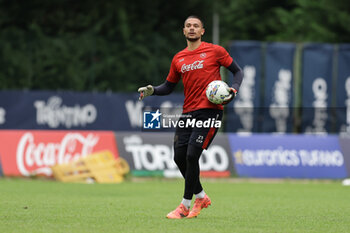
{"x": 195, "y": 17}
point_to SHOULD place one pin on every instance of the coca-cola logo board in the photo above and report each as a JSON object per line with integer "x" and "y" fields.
{"x": 25, "y": 153}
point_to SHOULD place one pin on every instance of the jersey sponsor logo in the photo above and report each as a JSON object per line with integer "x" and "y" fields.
{"x": 194, "y": 66}
{"x": 200, "y": 139}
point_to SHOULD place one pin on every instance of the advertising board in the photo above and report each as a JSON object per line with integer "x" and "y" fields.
{"x": 27, "y": 153}
{"x": 151, "y": 154}
{"x": 288, "y": 156}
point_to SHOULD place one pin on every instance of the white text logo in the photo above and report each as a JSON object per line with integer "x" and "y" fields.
{"x": 244, "y": 105}
{"x": 2, "y": 116}
{"x": 37, "y": 157}
{"x": 54, "y": 114}
{"x": 281, "y": 98}
{"x": 194, "y": 66}
{"x": 319, "y": 88}
{"x": 289, "y": 158}
{"x": 345, "y": 128}
{"x": 154, "y": 157}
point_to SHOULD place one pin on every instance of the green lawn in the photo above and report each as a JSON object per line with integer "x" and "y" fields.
{"x": 246, "y": 206}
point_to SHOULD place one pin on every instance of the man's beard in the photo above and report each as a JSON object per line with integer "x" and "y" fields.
{"x": 193, "y": 39}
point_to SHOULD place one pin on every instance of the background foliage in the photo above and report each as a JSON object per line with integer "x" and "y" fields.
{"x": 119, "y": 45}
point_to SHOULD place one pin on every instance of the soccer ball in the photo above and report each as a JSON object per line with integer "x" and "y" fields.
{"x": 217, "y": 91}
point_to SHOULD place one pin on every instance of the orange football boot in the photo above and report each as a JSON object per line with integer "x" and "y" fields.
{"x": 199, "y": 204}
{"x": 180, "y": 212}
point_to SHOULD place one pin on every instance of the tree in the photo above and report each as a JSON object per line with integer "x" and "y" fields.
{"x": 290, "y": 20}
{"x": 120, "y": 45}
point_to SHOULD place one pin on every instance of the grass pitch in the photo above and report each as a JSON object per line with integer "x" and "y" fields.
{"x": 244, "y": 206}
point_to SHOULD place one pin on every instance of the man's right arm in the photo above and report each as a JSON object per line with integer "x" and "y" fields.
{"x": 164, "y": 89}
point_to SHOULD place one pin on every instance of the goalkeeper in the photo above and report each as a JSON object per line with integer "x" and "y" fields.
{"x": 197, "y": 66}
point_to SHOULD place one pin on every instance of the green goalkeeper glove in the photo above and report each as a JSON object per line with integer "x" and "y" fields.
{"x": 145, "y": 91}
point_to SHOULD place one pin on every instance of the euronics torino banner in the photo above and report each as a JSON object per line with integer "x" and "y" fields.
{"x": 27, "y": 153}
{"x": 151, "y": 154}
{"x": 288, "y": 156}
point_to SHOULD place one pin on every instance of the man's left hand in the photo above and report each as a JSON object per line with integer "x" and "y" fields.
{"x": 233, "y": 93}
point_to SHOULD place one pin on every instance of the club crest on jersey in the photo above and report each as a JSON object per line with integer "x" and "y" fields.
{"x": 194, "y": 66}
{"x": 203, "y": 55}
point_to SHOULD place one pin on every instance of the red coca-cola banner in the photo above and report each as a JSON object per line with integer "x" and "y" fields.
{"x": 25, "y": 153}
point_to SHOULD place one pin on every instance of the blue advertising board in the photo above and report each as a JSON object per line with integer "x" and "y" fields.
{"x": 278, "y": 100}
{"x": 152, "y": 154}
{"x": 242, "y": 113}
{"x": 288, "y": 156}
{"x": 343, "y": 90}
{"x": 317, "y": 70}
{"x": 344, "y": 142}
{"x": 79, "y": 110}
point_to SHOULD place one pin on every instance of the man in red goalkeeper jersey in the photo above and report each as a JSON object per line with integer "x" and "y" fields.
{"x": 197, "y": 65}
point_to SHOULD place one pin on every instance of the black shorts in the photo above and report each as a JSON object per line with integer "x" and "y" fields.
{"x": 198, "y": 128}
